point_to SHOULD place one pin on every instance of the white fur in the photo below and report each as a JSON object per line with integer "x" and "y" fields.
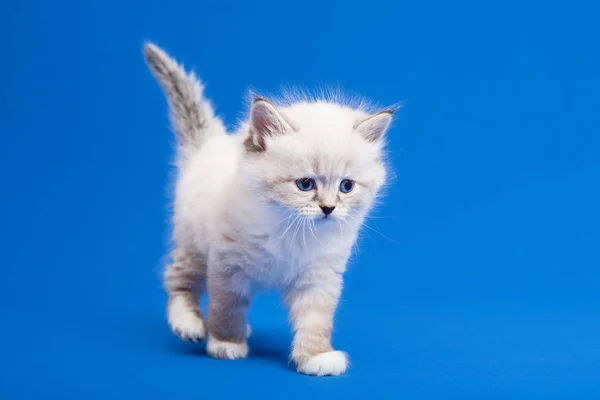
{"x": 331, "y": 363}
{"x": 184, "y": 321}
{"x": 226, "y": 350}
{"x": 237, "y": 205}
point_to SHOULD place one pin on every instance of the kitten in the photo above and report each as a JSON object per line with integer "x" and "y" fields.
{"x": 276, "y": 205}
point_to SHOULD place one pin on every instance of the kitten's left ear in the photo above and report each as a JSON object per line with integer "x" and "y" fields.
{"x": 374, "y": 127}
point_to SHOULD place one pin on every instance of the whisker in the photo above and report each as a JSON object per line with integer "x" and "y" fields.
{"x": 304, "y": 231}
{"x": 341, "y": 229}
{"x": 311, "y": 226}
{"x": 284, "y": 219}
{"x": 366, "y": 232}
{"x": 293, "y": 242}
{"x": 375, "y": 230}
{"x": 288, "y": 227}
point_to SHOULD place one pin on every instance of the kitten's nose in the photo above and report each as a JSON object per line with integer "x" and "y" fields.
{"x": 327, "y": 210}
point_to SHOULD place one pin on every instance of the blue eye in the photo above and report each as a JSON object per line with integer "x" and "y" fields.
{"x": 305, "y": 184}
{"x": 346, "y": 186}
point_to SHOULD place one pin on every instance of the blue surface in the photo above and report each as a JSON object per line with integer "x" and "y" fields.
{"x": 482, "y": 283}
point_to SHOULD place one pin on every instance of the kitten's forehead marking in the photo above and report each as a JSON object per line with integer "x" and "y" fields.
{"x": 330, "y": 169}
{"x": 315, "y": 166}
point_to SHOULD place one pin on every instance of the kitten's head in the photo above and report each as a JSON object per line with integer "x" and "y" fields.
{"x": 318, "y": 159}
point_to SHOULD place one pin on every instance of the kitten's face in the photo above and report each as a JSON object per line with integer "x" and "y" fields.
{"x": 320, "y": 180}
{"x": 322, "y": 168}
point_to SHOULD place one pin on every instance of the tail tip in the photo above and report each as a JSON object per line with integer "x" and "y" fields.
{"x": 159, "y": 62}
{"x": 152, "y": 51}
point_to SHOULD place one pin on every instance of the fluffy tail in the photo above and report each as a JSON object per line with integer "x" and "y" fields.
{"x": 192, "y": 116}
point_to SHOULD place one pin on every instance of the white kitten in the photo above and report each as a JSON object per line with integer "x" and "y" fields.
{"x": 276, "y": 205}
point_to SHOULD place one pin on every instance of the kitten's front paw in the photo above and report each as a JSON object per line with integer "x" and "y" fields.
{"x": 187, "y": 323}
{"x": 226, "y": 350}
{"x": 331, "y": 363}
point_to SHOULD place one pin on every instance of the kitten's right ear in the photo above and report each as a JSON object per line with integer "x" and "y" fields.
{"x": 265, "y": 121}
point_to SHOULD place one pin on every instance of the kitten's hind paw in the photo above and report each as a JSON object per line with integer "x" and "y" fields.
{"x": 186, "y": 322}
{"x": 226, "y": 350}
{"x": 331, "y": 363}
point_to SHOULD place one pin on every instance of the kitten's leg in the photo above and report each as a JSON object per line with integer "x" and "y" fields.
{"x": 185, "y": 281}
{"x": 230, "y": 296}
{"x": 312, "y": 305}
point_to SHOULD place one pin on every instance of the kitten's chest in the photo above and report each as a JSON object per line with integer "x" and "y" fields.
{"x": 282, "y": 262}
{"x": 278, "y": 265}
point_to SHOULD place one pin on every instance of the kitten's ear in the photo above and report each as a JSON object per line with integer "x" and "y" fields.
{"x": 266, "y": 121}
{"x": 374, "y": 127}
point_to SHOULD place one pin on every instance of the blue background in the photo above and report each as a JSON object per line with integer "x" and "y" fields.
{"x": 480, "y": 282}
